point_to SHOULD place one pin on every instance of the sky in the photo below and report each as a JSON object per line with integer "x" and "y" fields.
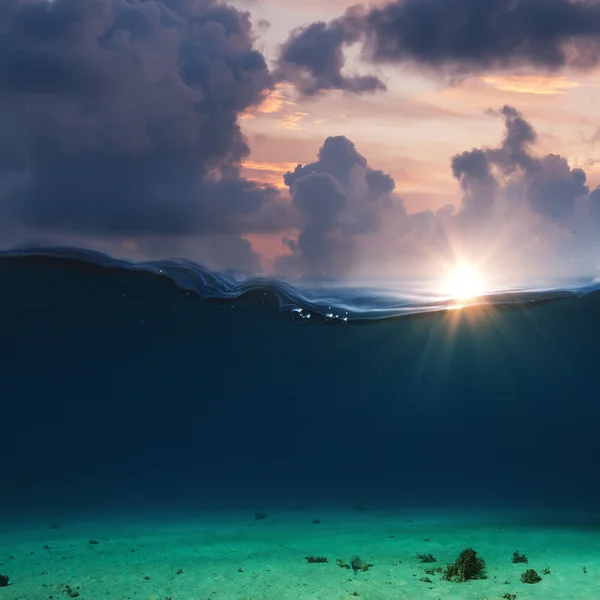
{"x": 307, "y": 140}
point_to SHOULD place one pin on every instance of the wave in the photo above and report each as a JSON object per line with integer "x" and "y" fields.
{"x": 330, "y": 301}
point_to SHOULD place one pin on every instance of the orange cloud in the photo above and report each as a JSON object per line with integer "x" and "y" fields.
{"x": 274, "y": 101}
{"x": 589, "y": 165}
{"x": 559, "y": 108}
{"x": 268, "y": 172}
{"x": 292, "y": 121}
{"x": 277, "y": 167}
{"x": 277, "y": 103}
{"x": 531, "y": 83}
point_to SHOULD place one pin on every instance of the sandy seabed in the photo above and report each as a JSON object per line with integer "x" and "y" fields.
{"x": 234, "y": 556}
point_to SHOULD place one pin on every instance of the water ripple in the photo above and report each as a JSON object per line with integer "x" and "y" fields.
{"x": 330, "y": 301}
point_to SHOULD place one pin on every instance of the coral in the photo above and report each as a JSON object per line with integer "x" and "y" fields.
{"x": 530, "y": 576}
{"x": 426, "y": 558}
{"x": 519, "y": 558}
{"x": 467, "y": 566}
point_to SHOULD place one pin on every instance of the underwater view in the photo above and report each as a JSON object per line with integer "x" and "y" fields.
{"x": 299, "y": 300}
{"x": 195, "y": 441}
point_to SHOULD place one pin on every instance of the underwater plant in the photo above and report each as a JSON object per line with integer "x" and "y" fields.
{"x": 70, "y": 592}
{"x": 466, "y": 567}
{"x": 316, "y": 559}
{"x": 530, "y": 576}
{"x": 519, "y": 558}
{"x": 426, "y": 558}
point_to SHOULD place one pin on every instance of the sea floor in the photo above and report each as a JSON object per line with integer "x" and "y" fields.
{"x": 235, "y": 556}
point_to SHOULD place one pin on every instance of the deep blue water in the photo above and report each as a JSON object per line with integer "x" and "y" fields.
{"x": 120, "y": 389}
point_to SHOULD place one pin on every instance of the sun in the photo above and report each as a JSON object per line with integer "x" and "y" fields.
{"x": 464, "y": 283}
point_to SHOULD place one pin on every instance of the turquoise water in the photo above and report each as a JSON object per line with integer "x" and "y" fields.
{"x": 124, "y": 393}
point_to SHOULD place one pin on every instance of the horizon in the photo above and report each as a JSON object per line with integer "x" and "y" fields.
{"x": 402, "y": 139}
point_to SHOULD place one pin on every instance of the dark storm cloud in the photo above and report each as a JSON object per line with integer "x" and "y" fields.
{"x": 337, "y": 157}
{"x": 547, "y": 184}
{"x": 452, "y": 37}
{"x": 322, "y": 248}
{"x": 473, "y": 170}
{"x": 550, "y": 186}
{"x": 340, "y": 199}
{"x": 122, "y": 117}
{"x": 595, "y": 202}
{"x": 313, "y": 58}
{"x": 514, "y": 152}
{"x": 474, "y": 35}
{"x": 553, "y": 187}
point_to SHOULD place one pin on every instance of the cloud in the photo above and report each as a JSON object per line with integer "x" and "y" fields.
{"x": 340, "y": 199}
{"x": 516, "y": 206}
{"x": 547, "y": 185}
{"x": 120, "y": 121}
{"x": 473, "y": 170}
{"x": 454, "y": 38}
{"x": 268, "y": 172}
{"x": 595, "y": 203}
{"x": 467, "y": 36}
{"x": 550, "y": 187}
{"x": 312, "y": 58}
{"x": 542, "y": 85}
{"x": 121, "y": 118}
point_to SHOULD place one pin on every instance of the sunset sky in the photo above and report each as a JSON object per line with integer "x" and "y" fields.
{"x": 411, "y": 130}
{"x": 166, "y": 129}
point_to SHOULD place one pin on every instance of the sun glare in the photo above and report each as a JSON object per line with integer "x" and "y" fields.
{"x": 464, "y": 283}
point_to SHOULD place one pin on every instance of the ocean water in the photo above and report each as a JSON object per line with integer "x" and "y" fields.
{"x": 147, "y": 402}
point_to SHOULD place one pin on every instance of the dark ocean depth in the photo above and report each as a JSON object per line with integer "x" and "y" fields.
{"x": 120, "y": 390}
